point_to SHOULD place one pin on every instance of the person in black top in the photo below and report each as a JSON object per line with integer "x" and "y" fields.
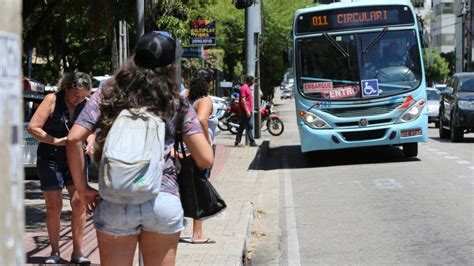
{"x": 50, "y": 125}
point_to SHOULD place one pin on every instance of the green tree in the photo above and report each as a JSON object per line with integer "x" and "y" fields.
{"x": 436, "y": 67}
{"x": 277, "y": 23}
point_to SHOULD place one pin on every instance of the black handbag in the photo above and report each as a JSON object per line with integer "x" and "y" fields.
{"x": 199, "y": 198}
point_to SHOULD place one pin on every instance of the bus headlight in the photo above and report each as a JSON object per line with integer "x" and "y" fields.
{"x": 466, "y": 105}
{"x": 412, "y": 113}
{"x": 313, "y": 120}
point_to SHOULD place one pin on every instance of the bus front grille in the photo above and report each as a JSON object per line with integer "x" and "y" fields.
{"x": 363, "y": 135}
{"x": 362, "y": 111}
{"x": 371, "y": 122}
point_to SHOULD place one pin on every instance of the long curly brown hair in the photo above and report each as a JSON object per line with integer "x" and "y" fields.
{"x": 133, "y": 87}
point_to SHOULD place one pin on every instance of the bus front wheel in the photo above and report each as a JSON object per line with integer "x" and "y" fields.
{"x": 410, "y": 149}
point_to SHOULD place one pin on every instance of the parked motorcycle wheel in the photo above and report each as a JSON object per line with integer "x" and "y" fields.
{"x": 234, "y": 124}
{"x": 275, "y": 126}
{"x": 222, "y": 125}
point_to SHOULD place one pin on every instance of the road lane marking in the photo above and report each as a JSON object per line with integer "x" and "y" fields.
{"x": 431, "y": 149}
{"x": 451, "y": 157}
{"x": 293, "y": 244}
{"x": 463, "y": 162}
{"x": 441, "y": 153}
{"x": 472, "y": 167}
{"x": 387, "y": 183}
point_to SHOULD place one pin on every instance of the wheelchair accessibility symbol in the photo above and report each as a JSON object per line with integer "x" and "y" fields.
{"x": 370, "y": 87}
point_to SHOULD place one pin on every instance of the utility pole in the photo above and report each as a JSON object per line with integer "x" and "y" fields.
{"x": 11, "y": 135}
{"x": 140, "y": 18}
{"x": 253, "y": 29}
{"x": 467, "y": 26}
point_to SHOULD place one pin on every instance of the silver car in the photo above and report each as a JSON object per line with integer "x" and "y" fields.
{"x": 433, "y": 106}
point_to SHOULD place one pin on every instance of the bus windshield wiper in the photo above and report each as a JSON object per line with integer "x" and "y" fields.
{"x": 375, "y": 40}
{"x": 335, "y": 44}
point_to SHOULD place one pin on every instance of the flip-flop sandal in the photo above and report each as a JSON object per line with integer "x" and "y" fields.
{"x": 53, "y": 259}
{"x": 207, "y": 241}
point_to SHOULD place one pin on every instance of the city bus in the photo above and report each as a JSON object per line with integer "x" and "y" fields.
{"x": 359, "y": 76}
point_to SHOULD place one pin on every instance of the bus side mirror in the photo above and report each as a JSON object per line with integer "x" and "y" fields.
{"x": 287, "y": 60}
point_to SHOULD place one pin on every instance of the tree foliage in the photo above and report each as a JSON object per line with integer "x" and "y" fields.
{"x": 277, "y": 23}
{"x": 79, "y": 34}
{"x": 436, "y": 67}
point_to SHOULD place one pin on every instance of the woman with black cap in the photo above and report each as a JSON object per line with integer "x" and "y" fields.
{"x": 148, "y": 80}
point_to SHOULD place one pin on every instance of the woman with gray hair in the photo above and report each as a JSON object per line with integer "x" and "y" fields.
{"x": 50, "y": 125}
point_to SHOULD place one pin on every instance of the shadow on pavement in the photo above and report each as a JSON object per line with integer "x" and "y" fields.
{"x": 466, "y": 139}
{"x": 35, "y": 209}
{"x": 271, "y": 158}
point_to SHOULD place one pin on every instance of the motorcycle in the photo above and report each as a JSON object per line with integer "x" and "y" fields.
{"x": 273, "y": 122}
{"x": 269, "y": 121}
{"x": 231, "y": 116}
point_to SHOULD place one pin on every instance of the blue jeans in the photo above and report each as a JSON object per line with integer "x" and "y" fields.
{"x": 247, "y": 124}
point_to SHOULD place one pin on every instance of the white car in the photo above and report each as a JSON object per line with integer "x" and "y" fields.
{"x": 98, "y": 81}
{"x": 31, "y": 101}
{"x": 286, "y": 94}
{"x": 433, "y": 106}
{"x": 219, "y": 106}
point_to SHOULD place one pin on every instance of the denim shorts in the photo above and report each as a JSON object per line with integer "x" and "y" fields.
{"x": 163, "y": 214}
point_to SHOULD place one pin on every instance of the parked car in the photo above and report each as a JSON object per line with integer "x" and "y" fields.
{"x": 286, "y": 94}
{"x": 98, "y": 81}
{"x": 31, "y": 101}
{"x": 433, "y": 106}
{"x": 456, "y": 111}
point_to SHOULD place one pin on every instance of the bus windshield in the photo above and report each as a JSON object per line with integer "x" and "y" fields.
{"x": 333, "y": 67}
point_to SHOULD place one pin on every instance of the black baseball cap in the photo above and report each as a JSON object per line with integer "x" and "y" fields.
{"x": 157, "y": 49}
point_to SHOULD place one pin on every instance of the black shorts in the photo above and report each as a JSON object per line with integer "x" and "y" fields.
{"x": 53, "y": 175}
{"x": 53, "y": 170}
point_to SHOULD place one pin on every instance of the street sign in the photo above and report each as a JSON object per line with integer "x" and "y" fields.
{"x": 203, "y": 32}
{"x": 193, "y": 52}
{"x": 226, "y": 84}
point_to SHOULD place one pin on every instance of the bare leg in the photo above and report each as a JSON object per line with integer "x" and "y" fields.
{"x": 78, "y": 222}
{"x": 117, "y": 250}
{"x": 197, "y": 231}
{"x": 54, "y": 205}
{"x": 159, "y": 249}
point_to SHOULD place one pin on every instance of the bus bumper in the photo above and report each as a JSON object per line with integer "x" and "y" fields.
{"x": 337, "y": 138}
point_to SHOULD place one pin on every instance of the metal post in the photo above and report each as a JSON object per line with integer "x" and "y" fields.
{"x": 140, "y": 33}
{"x": 11, "y": 135}
{"x": 470, "y": 36}
{"x": 253, "y": 27}
{"x": 120, "y": 49}
{"x": 140, "y": 18}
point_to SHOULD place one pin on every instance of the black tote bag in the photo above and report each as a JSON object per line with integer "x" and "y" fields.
{"x": 199, "y": 198}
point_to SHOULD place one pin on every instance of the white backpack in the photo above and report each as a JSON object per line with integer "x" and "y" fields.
{"x": 132, "y": 161}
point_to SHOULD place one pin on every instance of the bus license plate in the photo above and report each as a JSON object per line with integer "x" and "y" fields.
{"x": 411, "y": 132}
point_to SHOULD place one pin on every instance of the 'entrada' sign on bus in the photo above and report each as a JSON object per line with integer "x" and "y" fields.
{"x": 353, "y": 18}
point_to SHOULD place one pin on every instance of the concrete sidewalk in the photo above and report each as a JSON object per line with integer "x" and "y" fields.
{"x": 231, "y": 176}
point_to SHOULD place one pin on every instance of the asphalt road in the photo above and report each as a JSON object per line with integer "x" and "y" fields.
{"x": 365, "y": 206}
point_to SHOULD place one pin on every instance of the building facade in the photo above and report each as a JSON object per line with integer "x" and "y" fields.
{"x": 443, "y": 26}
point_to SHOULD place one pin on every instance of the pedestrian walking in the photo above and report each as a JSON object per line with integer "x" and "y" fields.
{"x": 50, "y": 125}
{"x": 146, "y": 80}
{"x": 246, "y": 119}
{"x": 202, "y": 103}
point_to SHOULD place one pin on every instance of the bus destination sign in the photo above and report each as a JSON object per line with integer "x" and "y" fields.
{"x": 349, "y": 18}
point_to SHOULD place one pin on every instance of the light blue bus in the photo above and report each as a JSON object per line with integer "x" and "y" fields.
{"x": 359, "y": 76}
